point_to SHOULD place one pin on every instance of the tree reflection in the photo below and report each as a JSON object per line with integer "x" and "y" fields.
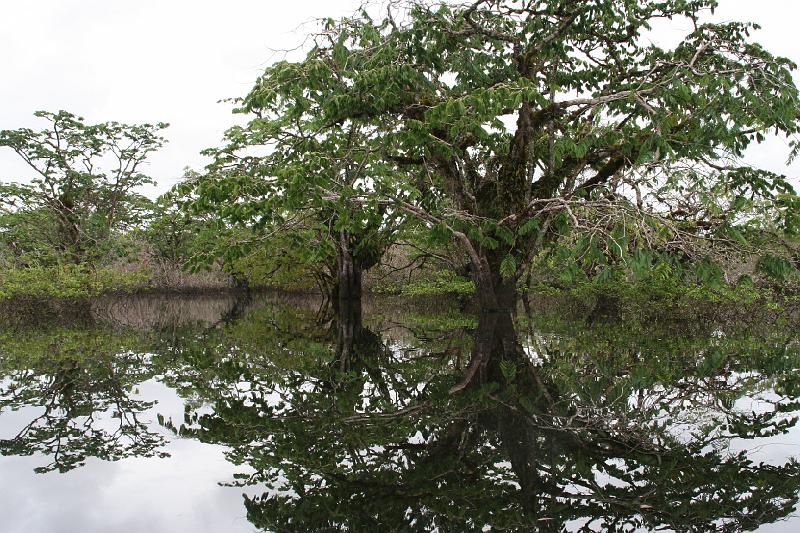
{"x": 74, "y": 379}
{"x": 75, "y": 389}
{"x": 559, "y": 432}
{"x": 344, "y": 426}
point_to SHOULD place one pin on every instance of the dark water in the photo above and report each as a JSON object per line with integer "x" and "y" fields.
{"x": 268, "y": 414}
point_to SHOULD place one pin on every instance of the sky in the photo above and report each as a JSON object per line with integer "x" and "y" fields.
{"x": 174, "y": 60}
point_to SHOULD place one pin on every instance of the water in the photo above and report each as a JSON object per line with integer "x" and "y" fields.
{"x": 266, "y": 414}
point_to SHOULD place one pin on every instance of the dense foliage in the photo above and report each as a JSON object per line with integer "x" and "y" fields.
{"x": 83, "y": 192}
{"x": 490, "y": 149}
{"x": 511, "y": 126}
{"x": 516, "y": 143}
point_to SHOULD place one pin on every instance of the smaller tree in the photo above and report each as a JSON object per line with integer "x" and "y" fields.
{"x": 86, "y": 176}
{"x": 294, "y": 170}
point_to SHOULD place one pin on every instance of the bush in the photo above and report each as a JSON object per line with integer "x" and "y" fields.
{"x": 68, "y": 281}
{"x": 437, "y": 283}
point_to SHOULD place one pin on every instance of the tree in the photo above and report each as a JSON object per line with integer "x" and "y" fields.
{"x": 505, "y": 125}
{"x": 295, "y": 193}
{"x": 86, "y": 178}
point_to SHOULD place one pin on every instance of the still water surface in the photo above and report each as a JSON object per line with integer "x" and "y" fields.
{"x": 266, "y": 413}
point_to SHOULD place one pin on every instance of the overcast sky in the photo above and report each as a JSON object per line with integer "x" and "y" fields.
{"x": 173, "y": 60}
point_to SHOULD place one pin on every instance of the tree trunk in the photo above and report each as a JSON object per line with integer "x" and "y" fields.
{"x": 69, "y": 229}
{"x": 495, "y": 340}
{"x": 348, "y": 274}
{"x": 493, "y": 291}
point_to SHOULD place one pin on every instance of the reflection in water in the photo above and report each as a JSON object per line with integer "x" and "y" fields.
{"x": 402, "y": 423}
{"x": 591, "y": 437}
{"x": 75, "y": 388}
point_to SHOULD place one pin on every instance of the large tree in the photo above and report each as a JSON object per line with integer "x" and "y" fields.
{"x": 85, "y": 179}
{"x": 504, "y": 124}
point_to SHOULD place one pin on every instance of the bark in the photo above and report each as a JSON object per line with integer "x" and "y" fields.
{"x": 495, "y": 339}
{"x": 347, "y": 287}
{"x": 493, "y": 291}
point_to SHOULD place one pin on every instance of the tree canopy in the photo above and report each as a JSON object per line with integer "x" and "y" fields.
{"x": 84, "y": 186}
{"x": 510, "y": 125}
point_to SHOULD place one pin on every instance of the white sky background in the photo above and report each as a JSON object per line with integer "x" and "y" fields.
{"x": 173, "y": 60}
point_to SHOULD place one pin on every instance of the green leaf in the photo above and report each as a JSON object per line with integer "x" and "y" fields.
{"x": 508, "y": 267}
{"x": 531, "y": 226}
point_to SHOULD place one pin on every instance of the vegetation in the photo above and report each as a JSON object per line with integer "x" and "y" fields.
{"x": 492, "y": 151}
{"x": 519, "y": 130}
{"x": 84, "y": 188}
{"x": 544, "y": 145}
{"x": 67, "y": 281}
